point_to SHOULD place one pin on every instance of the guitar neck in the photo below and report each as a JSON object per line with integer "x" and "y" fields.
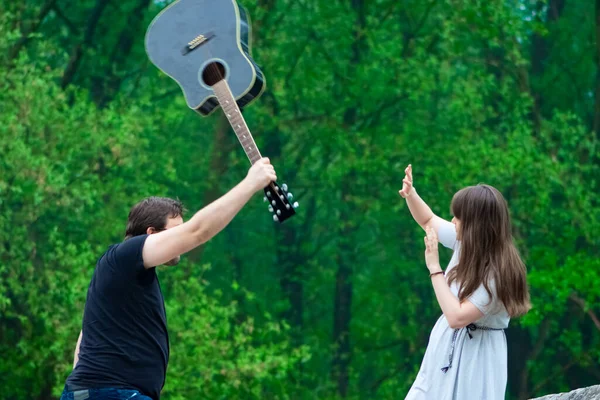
{"x": 236, "y": 120}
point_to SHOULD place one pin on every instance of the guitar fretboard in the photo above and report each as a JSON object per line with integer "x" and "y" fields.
{"x": 236, "y": 120}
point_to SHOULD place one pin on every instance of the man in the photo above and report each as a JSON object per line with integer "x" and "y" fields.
{"x": 123, "y": 348}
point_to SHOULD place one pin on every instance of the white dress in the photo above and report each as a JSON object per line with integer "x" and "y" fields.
{"x": 479, "y": 367}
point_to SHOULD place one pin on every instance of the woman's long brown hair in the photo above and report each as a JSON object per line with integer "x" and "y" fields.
{"x": 487, "y": 250}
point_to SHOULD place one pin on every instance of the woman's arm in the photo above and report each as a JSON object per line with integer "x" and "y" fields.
{"x": 457, "y": 314}
{"x": 420, "y": 211}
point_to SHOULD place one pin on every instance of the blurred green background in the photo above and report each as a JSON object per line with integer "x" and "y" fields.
{"x": 336, "y": 302}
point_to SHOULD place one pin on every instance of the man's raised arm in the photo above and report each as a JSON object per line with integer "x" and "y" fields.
{"x": 161, "y": 247}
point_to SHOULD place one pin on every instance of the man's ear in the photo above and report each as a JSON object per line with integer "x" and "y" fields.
{"x": 151, "y": 230}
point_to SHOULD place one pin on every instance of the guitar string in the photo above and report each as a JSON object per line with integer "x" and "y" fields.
{"x": 216, "y": 76}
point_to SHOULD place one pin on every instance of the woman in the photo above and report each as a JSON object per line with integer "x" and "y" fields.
{"x": 483, "y": 286}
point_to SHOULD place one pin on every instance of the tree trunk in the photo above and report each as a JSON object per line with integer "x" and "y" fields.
{"x": 521, "y": 343}
{"x": 539, "y": 43}
{"x": 78, "y": 51}
{"x": 343, "y": 283}
{"x": 289, "y": 258}
{"x": 539, "y": 55}
{"x": 341, "y": 325}
{"x": 596, "y": 125}
{"x": 14, "y": 51}
{"x": 223, "y": 145}
{"x": 292, "y": 280}
{"x": 106, "y": 87}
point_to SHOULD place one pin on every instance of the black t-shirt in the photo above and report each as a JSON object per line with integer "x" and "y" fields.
{"x": 125, "y": 342}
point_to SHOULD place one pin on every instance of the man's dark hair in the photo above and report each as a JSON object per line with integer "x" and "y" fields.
{"x": 152, "y": 212}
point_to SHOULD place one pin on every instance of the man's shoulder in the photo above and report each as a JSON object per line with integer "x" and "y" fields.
{"x": 128, "y": 253}
{"x": 130, "y": 245}
{"x": 108, "y": 254}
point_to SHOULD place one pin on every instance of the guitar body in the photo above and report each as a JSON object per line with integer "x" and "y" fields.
{"x": 188, "y": 35}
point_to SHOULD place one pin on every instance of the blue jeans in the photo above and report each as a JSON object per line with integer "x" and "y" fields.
{"x": 103, "y": 394}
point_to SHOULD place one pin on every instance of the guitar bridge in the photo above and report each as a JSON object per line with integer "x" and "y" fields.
{"x": 197, "y": 42}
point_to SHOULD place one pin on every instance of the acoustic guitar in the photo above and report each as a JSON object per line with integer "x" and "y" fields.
{"x": 204, "y": 45}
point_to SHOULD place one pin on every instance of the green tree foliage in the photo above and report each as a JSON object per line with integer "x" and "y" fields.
{"x": 336, "y": 302}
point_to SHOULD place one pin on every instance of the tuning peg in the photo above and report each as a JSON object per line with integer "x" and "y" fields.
{"x": 296, "y": 205}
{"x": 278, "y": 212}
{"x": 284, "y": 187}
{"x": 269, "y": 194}
{"x": 287, "y": 206}
{"x": 273, "y": 202}
{"x": 290, "y": 196}
{"x": 275, "y": 218}
{"x": 270, "y": 209}
{"x": 265, "y": 199}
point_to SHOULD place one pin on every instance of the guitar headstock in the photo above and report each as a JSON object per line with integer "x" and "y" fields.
{"x": 279, "y": 200}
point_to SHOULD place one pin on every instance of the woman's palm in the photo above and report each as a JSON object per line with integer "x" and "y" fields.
{"x": 407, "y": 182}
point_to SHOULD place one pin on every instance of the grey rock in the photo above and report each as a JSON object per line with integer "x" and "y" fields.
{"x": 588, "y": 393}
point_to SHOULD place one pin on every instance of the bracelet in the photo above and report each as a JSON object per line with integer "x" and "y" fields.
{"x": 436, "y": 273}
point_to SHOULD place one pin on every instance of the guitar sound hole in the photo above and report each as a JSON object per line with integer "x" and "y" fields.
{"x": 213, "y": 73}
